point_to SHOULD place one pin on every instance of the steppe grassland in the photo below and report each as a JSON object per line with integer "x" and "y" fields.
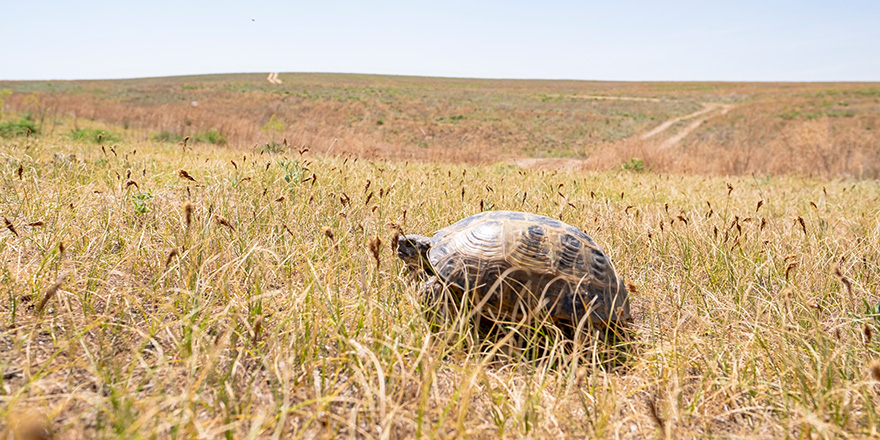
{"x": 826, "y": 130}
{"x": 263, "y": 314}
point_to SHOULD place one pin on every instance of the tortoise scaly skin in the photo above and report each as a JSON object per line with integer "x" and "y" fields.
{"x": 518, "y": 265}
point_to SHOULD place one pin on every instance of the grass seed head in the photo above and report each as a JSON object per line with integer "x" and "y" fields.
{"x": 395, "y": 237}
{"x": 171, "y": 256}
{"x": 835, "y": 269}
{"x": 874, "y": 369}
{"x": 28, "y": 425}
{"x": 376, "y": 244}
{"x": 288, "y": 230}
{"x": 188, "y": 212}
{"x": 51, "y": 291}
{"x": 791, "y": 266}
{"x": 223, "y": 222}
{"x": 10, "y": 226}
{"x": 184, "y": 175}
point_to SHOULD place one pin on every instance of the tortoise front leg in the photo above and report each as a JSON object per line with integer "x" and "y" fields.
{"x": 431, "y": 293}
{"x": 431, "y": 298}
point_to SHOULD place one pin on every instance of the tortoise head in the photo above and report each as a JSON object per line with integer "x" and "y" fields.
{"x": 413, "y": 250}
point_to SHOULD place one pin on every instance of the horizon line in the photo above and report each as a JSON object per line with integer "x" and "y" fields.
{"x": 452, "y": 77}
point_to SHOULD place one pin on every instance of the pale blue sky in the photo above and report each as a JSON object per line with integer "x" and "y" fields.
{"x": 604, "y": 40}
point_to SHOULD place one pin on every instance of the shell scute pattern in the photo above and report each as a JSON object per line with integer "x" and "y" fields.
{"x": 559, "y": 265}
{"x": 571, "y": 257}
{"x": 527, "y": 246}
{"x": 463, "y": 255}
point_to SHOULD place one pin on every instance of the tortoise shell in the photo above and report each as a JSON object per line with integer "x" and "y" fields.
{"x": 528, "y": 263}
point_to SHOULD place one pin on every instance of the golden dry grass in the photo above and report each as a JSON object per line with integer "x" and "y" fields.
{"x": 244, "y": 301}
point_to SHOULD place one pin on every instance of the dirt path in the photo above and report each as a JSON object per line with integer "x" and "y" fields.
{"x": 615, "y": 98}
{"x": 273, "y": 78}
{"x": 664, "y": 126}
{"x": 710, "y": 109}
{"x": 690, "y": 128}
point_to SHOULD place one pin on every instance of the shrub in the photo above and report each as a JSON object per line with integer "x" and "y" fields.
{"x": 634, "y": 164}
{"x": 94, "y": 135}
{"x": 273, "y": 128}
{"x": 166, "y": 136}
{"x": 19, "y": 128}
{"x": 272, "y": 148}
{"x": 210, "y": 137}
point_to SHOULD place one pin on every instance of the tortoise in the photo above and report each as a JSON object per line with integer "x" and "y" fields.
{"x": 515, "y": 265}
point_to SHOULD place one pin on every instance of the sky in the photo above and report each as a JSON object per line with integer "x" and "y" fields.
{"x": 588, "y": 40}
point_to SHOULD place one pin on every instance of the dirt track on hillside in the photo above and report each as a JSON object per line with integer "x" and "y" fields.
{"x": 709, "y": 110}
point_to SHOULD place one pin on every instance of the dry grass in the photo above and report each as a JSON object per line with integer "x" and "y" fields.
{"x": 825, "y": 129}
{"x": 261, "y": 300}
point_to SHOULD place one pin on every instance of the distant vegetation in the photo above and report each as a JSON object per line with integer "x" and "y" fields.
{"x": 20, "y": 127}
{"x": 94, "y": 135}
{"x": 804, "y": 128}
{"x": 208, "y": 137}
